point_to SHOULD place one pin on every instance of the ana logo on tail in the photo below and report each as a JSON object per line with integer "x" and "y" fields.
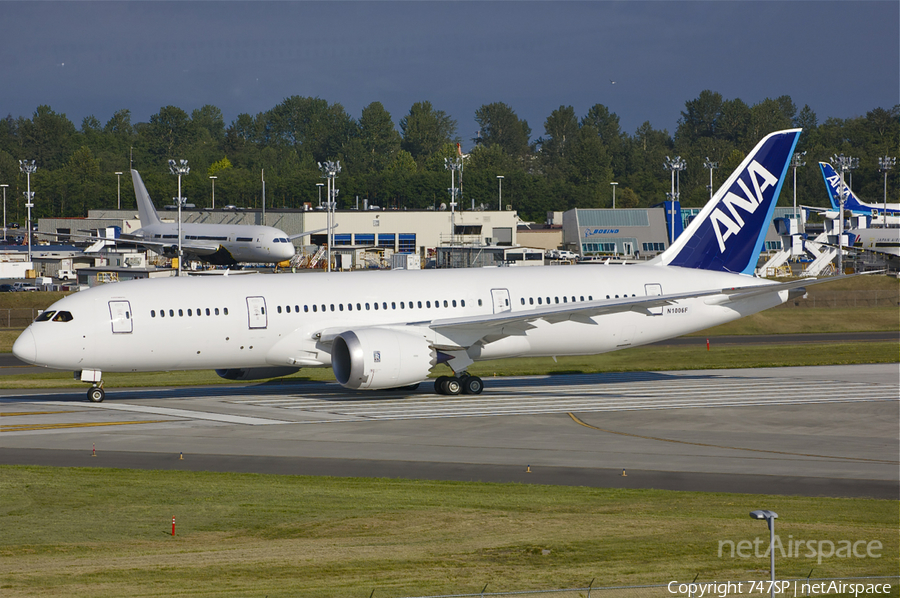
{"x": 726, "y": 226}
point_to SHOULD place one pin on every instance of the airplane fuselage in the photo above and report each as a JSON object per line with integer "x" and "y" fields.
{"x": 222, "y": 244}
{"x": 285, "y": 320}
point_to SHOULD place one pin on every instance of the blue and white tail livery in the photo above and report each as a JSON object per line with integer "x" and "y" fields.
{"x": 728, "y": 234}
{"x": 851, "y": 202}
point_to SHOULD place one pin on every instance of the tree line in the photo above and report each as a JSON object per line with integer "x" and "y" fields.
{"x": 571, "y": 164}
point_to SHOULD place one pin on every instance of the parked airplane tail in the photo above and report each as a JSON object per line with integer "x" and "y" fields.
{"x": 146, "y": 211}
{"x": 728, "y": 233}
{"x": 836, "y": 187}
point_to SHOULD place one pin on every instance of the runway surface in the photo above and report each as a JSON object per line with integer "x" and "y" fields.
{"x": 809, "y": 430}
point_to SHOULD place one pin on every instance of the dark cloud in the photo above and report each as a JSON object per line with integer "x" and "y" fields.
{"x": 86, "y": 58}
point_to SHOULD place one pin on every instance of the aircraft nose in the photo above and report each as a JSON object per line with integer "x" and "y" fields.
{"x": 25, "y": 348}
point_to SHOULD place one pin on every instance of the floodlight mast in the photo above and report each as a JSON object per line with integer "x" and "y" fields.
{"x": 330, "y": 170}
{"x": 453, "y": 164}
{"x": 499, "y": 192}
{"x": 797, "y": 161}
{"x": 213, "y": 179}
{"x": 675, "y": 166}
{"x": 613, "y": 184}
{"x": 118, "y": 190}
{"x": 29, "y": 168}
{"x": 180, "y": 169}
{"x": 843, "y": 164}
{"x": 711, "y": 166}
{"x": 4, "y": 210}
{"x": 885, "y": 164}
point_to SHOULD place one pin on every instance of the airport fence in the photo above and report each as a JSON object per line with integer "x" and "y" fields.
{"x": 804, "y": 586}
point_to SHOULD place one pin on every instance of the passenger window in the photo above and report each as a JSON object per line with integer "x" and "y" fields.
{"x": 263, "y": 310}
{"x": 358, "y": 307}
{"x": 462, "y": 302}
{"x": 340, "y": 307}
{"x": 420, "y": 305}
{"x": 323, "y": 307}
{"x": 564, "y": 299}
{"x": 367, "y": 307}
{"x": 306, "y": 308}
{"x": 454, "y": 303}
{"x": 171, "y": 313}
{"x": 445, "y": 303}
{"x": 531, "y": 301}
{"x": 332, "y": 307}
{"x": 384, "y": 304}
{"x": 180, "y": 314}
{"x": 582, "y": 297}
{"x": 287, "y": 308}
{"x": 402, "y": 305}
{"x": 315, "y": 307}
{"x": 152, "y": 313}
{"x": 393, "y": 305}
{"x": 190, "y": 313}
{"x": 279, "y": 309}
{"x": 428, "y": 304}
{"x": 296, "y": 309}
{"x": 479, "y": 303}
{"x": 207, "y": 311}
{"x": 590, "y": 298}
{"x": 376, "y": 306}
{"x": 540, "y": 301}
{"x": 349, "y": 307}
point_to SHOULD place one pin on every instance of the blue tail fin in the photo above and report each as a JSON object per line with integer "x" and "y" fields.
{"x": 728, "y": 233}
{"x": 834, "y": 186}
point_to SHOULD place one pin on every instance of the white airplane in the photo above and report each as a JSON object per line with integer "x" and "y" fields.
{"x": 219, "y": 244}
{"x": 380, "y": 330}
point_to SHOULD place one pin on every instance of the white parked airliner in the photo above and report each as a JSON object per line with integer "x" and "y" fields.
{"x": 219, "y": 244}
{"x": 381, "y": 330}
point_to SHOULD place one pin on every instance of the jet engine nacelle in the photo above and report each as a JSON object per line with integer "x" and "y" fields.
{"x": 377, "y": 358}
{"x": 256, "y": 373}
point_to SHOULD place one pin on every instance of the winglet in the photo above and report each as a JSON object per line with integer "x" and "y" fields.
{"x": 729, "y": 232}
{"x": 146, "y": 211}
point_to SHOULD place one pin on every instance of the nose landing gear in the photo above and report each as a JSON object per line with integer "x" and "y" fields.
{"x": 95, "y": 393}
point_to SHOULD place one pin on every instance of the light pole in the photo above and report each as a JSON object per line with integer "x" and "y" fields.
{"x": 28, "y": 168}
{"x": 330, "y": 170}
{"x": 884, "y": 165}
{"x": 4, "y": 211}
{"x": 213, "y": 179}
{"x": 500, "y": 191}
{"x": 674, "y": 165}
{"x": 320, "y": 185}
{"x": 452, "y": 164}
{"x": 614, "y": 194}
{"x": 179, "y": 168}
{"x": 843, "y": 164}
{"x": 770, "y": 517}
{"x": 711, "y": 166}
{"x": 118, "y": 190}
{"x": 797, "y": 160}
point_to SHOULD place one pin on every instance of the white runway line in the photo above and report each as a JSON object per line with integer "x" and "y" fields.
{"x": 180, "y": 413}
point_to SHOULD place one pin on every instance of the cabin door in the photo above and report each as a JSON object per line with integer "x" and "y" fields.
{"x": 501, "y": 300}
{"x": 120, "y": 316}
{"x": 256, "y": 310}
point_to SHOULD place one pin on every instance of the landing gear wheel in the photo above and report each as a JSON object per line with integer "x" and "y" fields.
{"x": 472, "y": 385}
{"x": 439, "y": 384}
{"x": 452, "y": 386}
{"x": 96, "y": 394}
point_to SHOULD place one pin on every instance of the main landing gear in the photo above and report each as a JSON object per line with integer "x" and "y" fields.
{"x": 453, "y": 385}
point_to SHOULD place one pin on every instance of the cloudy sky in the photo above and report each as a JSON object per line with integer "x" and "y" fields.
{"x": 93, "y": 58}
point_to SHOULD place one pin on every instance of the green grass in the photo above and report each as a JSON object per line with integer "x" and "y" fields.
{"x": 101, "y": 532}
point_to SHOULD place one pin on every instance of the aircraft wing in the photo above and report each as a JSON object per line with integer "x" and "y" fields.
{"x": 468, "y": 330}
{"x": 188, "y": 246}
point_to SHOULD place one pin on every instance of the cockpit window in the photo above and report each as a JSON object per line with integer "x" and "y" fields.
{"x": 55, "y": 316}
